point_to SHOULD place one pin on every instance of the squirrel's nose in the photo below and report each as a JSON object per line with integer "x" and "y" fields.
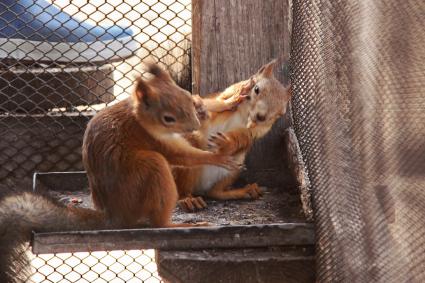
{"x": 260, "y": 118}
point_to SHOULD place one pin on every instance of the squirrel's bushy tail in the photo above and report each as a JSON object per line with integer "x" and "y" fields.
{"x": 26, "y": 212}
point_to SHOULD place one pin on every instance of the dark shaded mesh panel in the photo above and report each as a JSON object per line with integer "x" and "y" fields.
{"x": 359, "y": 112}
{"x": 52, "y": 82}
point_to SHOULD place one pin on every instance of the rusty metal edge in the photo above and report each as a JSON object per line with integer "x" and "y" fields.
{"x": 242, "y": 236}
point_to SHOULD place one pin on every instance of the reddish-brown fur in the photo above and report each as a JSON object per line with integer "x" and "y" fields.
{"x": 215, "y": 108}
{"x": 237, "y": 139}
{"x": 128, "y": 151}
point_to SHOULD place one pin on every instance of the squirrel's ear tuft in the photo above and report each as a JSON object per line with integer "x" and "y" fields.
{"x": 143, "y": 92}
{"x": 140, "y": 88}
{"x": 157, "y": 71}
{"x": 267, "y": 70}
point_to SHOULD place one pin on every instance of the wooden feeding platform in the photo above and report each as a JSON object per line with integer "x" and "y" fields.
{"x": 270, "y": 238}
{"x": 266, "y": 240}
{"x": 274, "y": 220}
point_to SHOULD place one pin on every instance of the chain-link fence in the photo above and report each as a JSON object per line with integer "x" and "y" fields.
{"x": 60, "y": 61}
{"x": 114, "y": 266}
{"x": 358, "y": 105}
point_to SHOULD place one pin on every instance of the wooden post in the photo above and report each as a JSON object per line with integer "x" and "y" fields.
{"x": 232, "y": 39}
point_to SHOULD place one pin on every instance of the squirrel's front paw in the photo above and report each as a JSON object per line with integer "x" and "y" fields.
{"x": 233, "y": 102}
{"x": 219, "y": 143}
{"x": 201, "y": 111}
{"x": 247, "y": 86}
{"x": 228, "y": 162}
{"x": 192, "y": 204}
{"x": 253, "y": 191}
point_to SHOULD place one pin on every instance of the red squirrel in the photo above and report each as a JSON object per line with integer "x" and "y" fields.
{"x": 128, "y": 151}
{"x": 129, "y": 148}
{"x": 263, "y": 99}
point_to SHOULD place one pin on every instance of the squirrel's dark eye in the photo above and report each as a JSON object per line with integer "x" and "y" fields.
{"x": 169, "y": 119}
{"x": 261, "y": 118}
{"x": 256, "y": 89}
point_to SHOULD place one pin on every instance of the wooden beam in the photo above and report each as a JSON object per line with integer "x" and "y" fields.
{"x": 243, "y": 236}
{"x": 196, "y": 44}
{"x": 233, "y": 39}
{"x": 277, "y": 264}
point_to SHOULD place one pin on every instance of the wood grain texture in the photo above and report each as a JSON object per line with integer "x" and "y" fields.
{"x": 236, "y": 38}
{"x": 196, "y": 43}
{"x": 232, "y": 40}
{"x": 242, "y": 236}
{"x": 277, "y": 264}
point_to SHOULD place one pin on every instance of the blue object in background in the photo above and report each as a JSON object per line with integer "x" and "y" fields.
{"x": 24, "y": 24}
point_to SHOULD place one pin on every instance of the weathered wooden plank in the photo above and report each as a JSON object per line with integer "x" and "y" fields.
{"x": 232, "y": 40}
{"x": 205, "y": 47}
{"x": 196, "y": 43}
{"x": 288, "y": 234}
{"x": 277, "y": 264}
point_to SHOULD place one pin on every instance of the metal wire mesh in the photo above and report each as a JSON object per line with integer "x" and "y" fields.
{"x": 114, "y": 266}
{"x": 61, "y": 61}
{"x": 358, "y": 105}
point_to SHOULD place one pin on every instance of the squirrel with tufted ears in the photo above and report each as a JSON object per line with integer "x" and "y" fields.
{"x": 128, "y": 151}
{"x": 239, "y": 115}
{"x": 130, "y": 147}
